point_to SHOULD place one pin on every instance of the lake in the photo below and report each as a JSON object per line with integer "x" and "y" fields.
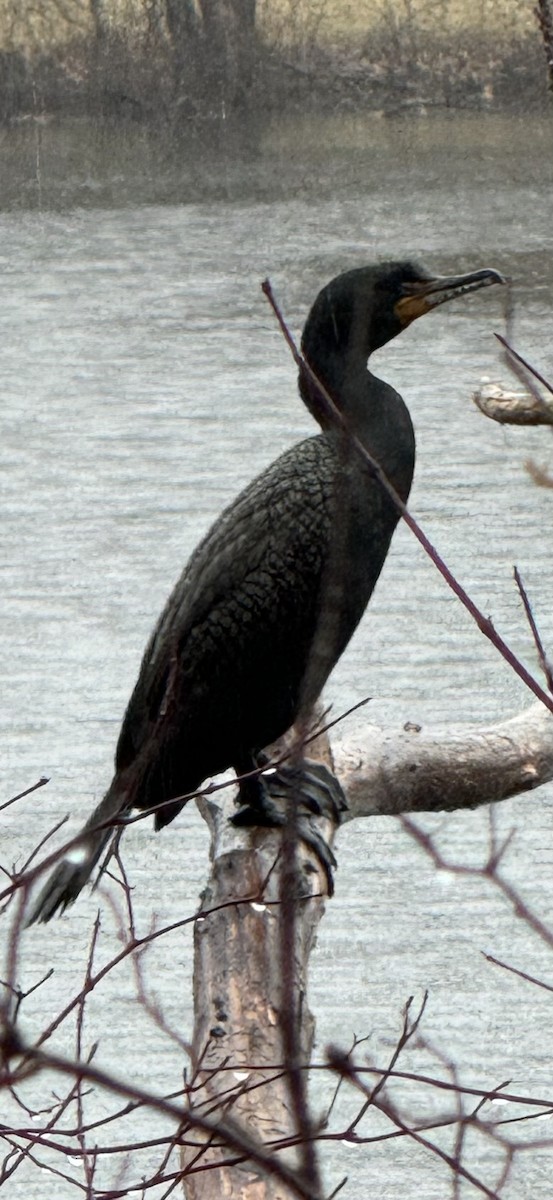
{"x": 144, "y": 382}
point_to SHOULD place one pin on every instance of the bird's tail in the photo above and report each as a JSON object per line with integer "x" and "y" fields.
{"x": 75, "y": 868}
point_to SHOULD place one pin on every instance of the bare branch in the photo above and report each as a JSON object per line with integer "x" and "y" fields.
{"x": 414, "y": 770}
{"x": 512, "y": 408}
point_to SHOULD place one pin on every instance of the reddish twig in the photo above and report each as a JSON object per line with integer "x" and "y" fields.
{"x": 544, "y": 661}
{"x": 338, "y": 419}
{"x": 33, "y": 788}
{"x": 515, "y": 971}
{"x": 529, "y": 370}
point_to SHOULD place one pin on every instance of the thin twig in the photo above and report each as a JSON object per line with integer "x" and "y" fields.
{"x": 544, "y": 662}
{"x": 33, "y": 788}
{"x": 528, "y": 368}
{"x": 515, "y": 971}
{"x": 338, "y": 419}
{"x": 227, "y": 1132}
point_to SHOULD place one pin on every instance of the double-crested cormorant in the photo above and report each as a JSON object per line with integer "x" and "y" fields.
{"x": 273, "y": 593}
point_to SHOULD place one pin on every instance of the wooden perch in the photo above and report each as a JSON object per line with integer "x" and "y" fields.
{"x": 414, "y": 770}
{"x": 251, "y": 948}
{"x": 246, "y": 943}
{"x": 513, "y": 408}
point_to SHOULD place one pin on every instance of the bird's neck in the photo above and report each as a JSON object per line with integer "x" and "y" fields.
{"x": 374, "y": 412}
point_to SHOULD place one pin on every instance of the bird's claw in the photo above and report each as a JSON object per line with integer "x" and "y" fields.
{"x": 313, "y": 783}
{"x": 320, "y": 848}
{"x": 265, "y": 813}
{"x": 314, "y": 788}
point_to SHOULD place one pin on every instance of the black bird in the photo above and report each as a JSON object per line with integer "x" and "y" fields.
{"x": 273, "y": 593}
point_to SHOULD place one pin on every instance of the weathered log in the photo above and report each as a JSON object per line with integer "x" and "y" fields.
{"x": 249, "y": 947}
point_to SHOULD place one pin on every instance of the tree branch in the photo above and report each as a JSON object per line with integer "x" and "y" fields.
{"x": 414, "y": 770}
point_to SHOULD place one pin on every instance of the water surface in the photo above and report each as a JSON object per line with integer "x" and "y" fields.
{"x": 143, "y": 383}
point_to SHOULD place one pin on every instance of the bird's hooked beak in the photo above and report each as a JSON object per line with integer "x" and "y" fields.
{"x": 422, "y": 296}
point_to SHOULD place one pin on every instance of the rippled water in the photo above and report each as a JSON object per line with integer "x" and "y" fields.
{"x": 143, "y": 383}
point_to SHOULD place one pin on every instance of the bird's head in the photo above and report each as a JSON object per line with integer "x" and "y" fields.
{"x": 363, "y": 309}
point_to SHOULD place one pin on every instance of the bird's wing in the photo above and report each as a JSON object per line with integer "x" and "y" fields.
{"x": 264, "y": 555}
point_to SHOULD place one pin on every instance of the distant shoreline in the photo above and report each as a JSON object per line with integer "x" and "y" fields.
{"x": 129, "y": 82}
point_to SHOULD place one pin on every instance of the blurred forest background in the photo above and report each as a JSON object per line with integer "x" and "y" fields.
{"x": 179, "y": 61}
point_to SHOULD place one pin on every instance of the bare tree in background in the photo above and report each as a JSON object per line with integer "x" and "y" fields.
{"x": 545, "y": 21}
{"x": 214, "y": 49}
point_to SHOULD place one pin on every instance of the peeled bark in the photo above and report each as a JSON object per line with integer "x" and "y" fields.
{"x": 412, "y": 770}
